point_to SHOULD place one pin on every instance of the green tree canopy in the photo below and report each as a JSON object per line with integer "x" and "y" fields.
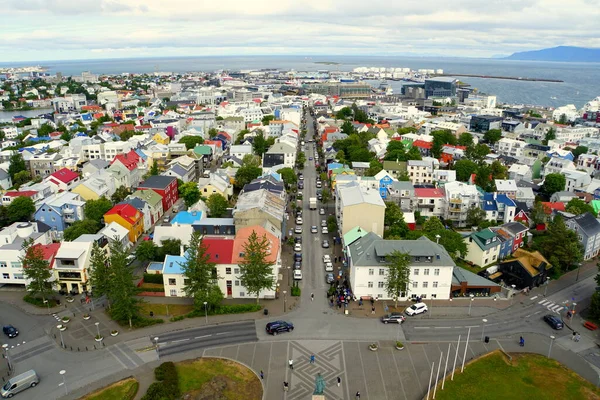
{"x": 550, "y": 135}
{"x": 344, "y": 113}
{"x": 465, "y": 139}
{"x": 200, "y": 274}
{"x": 256, "y": 271}
{"x": 36, "y": 269}
{"x": 579, "y": 150}
{"x": 374, "y": 168}
{"x": 191, "y": 141}
{"x": 78, "y": 228}
{"x": 267, "y": 119}
{"x": 554, "y": 183}
{"x": 147, "y": 251}
{"x": 441, "y": 138}
{"x": 21, "y": 178}
{"x": 95, "y": 209}
{"x": 475, "y": 216}
{"x": 122, "y": 291}
{"x": 477, "y": 152}
{"x": 99, "y": 272}
{"x": 561, "y": 245}
{"x": 190, "y": 193}
{"x": 398, "y": 274}
{"x": 492, "y": 136}
{"x": 577, "y": 206}
{"x": 395, "y": 226}
{"x": 217, "y": 205}
{"x": 120, "y": 194}
{"x": 347, "y": 128}
{"x": 16, "y": 164}
{"x": 246, "y": 174}
{"x": 20, "y": 209}
{"x": 289, "y": 176}
{"x": 464, "y": 169}
{"x": 260, "y": 144}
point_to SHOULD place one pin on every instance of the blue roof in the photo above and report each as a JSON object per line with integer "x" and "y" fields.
{"x": 332, "y": 166}
{"x": 140, "y": 153}
{"x": 491, "y": 204}
{"x": 187, "y": 218}
{"x": 504, "y": 199}
{"x": 81, "y": 134}
{"x": 154, "y": 266}
{"x": 173, "y": 265}
{"x": 39, "y": 139}
{"x": 87, "y": 117}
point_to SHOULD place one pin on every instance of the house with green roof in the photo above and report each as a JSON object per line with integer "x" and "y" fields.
{"x": 202, "y": 152}
{"x": 154, "y": 201}
{"x": 483, "y": 247}
{"x": 395, "y": 168}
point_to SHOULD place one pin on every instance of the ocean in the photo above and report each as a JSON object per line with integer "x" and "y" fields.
{"x": 581, "y": 80}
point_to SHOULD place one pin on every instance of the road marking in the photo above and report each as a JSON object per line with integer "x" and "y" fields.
{"x": 537, "y": 312}
{"x": 200, "y": 337}
{"x": 534, "y": 297}
{"x": 472, "y": 326}
{"x": 180, "y": 340}
{"x": 442, "y": 327}
{"x": 222, "y": 333}
{"x": 542, "y": 302}
{"x": 422, "y": 327}
{"x": 528, "y": 315}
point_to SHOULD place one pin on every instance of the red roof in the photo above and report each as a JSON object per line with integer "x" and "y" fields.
{"x": 256, "y": 100}
{"x": 65, "y": 175}
{"x": 217, "y": 143}
{"x": 91, "y": 108}
{"x": 225, "y": 135}
{"x": 550, "y": 206}
{"x": 129, "y": 160}
{"x": 422, "y": 144}
{"x": 220, "y": 249}
{"x": 331, "y": 129}
{"x": 128, "y": 212}
{"x": 25, "y": 193}
{"x": 425, "y": 192}
{"x": 49, "y": 251}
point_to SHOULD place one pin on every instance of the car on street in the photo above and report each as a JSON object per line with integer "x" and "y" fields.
{"x": 298, "y": 239}
{"x": 297, "y": 256}
{"x": 319, "y": 184}
{"x": 324, "y": 230}
{"x": 397, "y": 318}
{"x": 300, "y": 186}
{"x": 321, "y": 211}
{"x": 298, "y": 247}
{"x": 297, "y": 274}
{"x": 328, "y": 267}
{"x": 299, "y": 221}
{"x": 276, "y": 327}
{"x": 10, "y": 331}
{"x": 298, "y": 230}
{"x": 313, "y": 229}
{"x": 415, "y": 309}
{"x": 319, "y": 196}
{"x": 301, "y": 177}
{"x": 310, "y": 159}
{"x": 329, "y": 278}
{"x": 130, "y": 259}
{"x": 325, "y": 244}
{"x": 297, "y": 264}
{"x": 326, "y": 258}
{"x": 323, "y": 222}
{"x": 554, "y": 321}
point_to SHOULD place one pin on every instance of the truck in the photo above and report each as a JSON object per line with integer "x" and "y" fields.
{"x": 312, "y": 203}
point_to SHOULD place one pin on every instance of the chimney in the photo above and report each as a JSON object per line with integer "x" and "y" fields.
{"x": 181, "y": 250}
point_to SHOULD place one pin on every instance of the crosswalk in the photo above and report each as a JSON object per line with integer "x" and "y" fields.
{"x": 551, "y": 306}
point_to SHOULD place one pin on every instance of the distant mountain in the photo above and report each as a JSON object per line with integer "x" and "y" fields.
{"x": 560, "y": 53}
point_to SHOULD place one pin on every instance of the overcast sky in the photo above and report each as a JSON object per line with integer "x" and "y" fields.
{"x": 37, "y": 30}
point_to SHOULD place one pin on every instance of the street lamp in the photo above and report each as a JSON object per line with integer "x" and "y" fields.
{"x": 471, "y": 303}
{"x": 284, "y": 300}
{"x": 483, "y": 329}
{"x": 289, "y": 276}
{"x": 578, "y": 269}
{"x": 62, "y": 342}
{"x": 551, "y": 341}
{"x": 98, "y": 327}
{"x": 206, "y": 312}
{"x": 5, "y": 347}
{"x": 157, "y": 350}
{"x": 47, "y": 305}
{"x": 512, "y": 294}
{"x": 64, "y": 383}
{"x": 437, "y": 239}
{"x": 573, "y": 310}
{"x": 546, "y": 287}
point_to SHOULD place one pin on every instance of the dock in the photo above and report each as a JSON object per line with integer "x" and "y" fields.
{"x": 511, "y": 78}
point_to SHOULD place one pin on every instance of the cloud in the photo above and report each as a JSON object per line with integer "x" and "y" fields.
{"x": 352, "y": 27}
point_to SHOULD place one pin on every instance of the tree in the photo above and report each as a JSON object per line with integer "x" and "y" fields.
{"x": 332, "y": 224}
{"x": 256, "y": 270}
{"x": 577, "y": 206}
{"x": 374, "y": 168}
{"x": 120, "y": 194}
{"x": 17, "y": 164}
{"x": 484, "y": 178}
{"x": 78, "y": 228}
{"x": 170, "y": 247}
{"x": 36, "y": 269}
{"x": 190, "y": 193}
{"x": 146, "y": 251}
{"x": 563, "y": 119}
{"x": 347, "y": 128}
{"x": 464, "y": 169}
{"x": 122, "y": 290}
{"x": 267, "y": 119}
{"x": 475, "y": 216}
{"x": 492, "y": 136}
{"x": 95, "y": 209}
{"x": 441, "y": 138}
{"x": 452, "y": 241}
{"x": 465, "y": 139}
{"x": 21, "y": 178}
{"x": 217, "y": 205}
{"x": 199, "y": 273}
{"x": 398, "y": 273}
{"x": 66, "y": 136}
{"x": 153, "y": 169}
{"x": 433, "y": 225}
{"x": 99, "y": 272}
{"x": 45, "y": 130}
{"x": 260, "y": 144}
{"x": 550, "y": 135}
{"x": 344, "y": 113}
{"x": 499, "y": 170}
{"x": 477, "y": 152}
{"x": 554, "y": 183}
{"x": 579, "y": 150}
{"x": 20, "y": 209}
{"x": 191, "y": 141}
{"x": 560, "y": 245}
{"x": 246, "y": 174}
{"x": 395, "y": 226}
{"x": 538, "y": 214}
{"x": 289, "y": 176}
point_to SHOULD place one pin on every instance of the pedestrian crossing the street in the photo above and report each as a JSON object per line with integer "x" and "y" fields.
{"x": 551, "y": 306}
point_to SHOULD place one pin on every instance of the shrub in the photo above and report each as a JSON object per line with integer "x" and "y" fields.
{"x": 38, "y": 302}
{"x": 296, "y": 291}
{"x": 224, "y": 309}
{"x": 153, "y": 278}
{"x": 177, "y": 318}
{"x": 141, "y": 322}
{"x": 151, "y": 289}
{"x": 167, "y": 386}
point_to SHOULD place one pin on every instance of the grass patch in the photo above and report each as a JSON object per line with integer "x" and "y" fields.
{"x": 38, "y": 301}
{"x": 175, "y": 310}
{"x": 237, "y": 382}
{"x": 122, "y": 390}
{"x": 473, "y": 268}
{"x": 529, "y": 376}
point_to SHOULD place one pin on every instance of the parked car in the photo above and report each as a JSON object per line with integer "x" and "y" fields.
{"x": 19, "y": 383}
{"x": 130, "y": 259}
{"x": 398, "y": 318}
{"x": 323, "y": 223}
{"x": 329, "y": 278}
{"x": 298, "y": 239}
{"x": 313, "y": 229}
{"x": 310, "y": 159}
{"x": 319, "y": 196}
{"x": 301, "y": 177}
{"x": 328, "y": 267}
{"x": 10, "y": 331}
{"x": 321, "y": 211}
{"x": 298, "y": 247}
{"x": 298, "y": 230}
{"x": 415, "y": 309}
{"x": 276, "y": 327}
{"x": 326, "y": 258}
{"x": 297, "y": 264}
{"x": 324, "y": 230}
{"x": 554, "y": 321}
{"x": 325, "y": 244}
{"x": 299, "y": 221}
{"x": 297, "y": 256}
{"x": 297, "y": 274}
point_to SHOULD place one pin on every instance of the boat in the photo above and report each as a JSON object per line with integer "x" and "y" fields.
{"x": 553, "y": 97}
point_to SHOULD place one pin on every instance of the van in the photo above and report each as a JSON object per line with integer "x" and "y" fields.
{"x": 19, "y": 383}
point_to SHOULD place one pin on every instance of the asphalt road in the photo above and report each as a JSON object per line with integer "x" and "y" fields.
{"x": 30, "y": 327}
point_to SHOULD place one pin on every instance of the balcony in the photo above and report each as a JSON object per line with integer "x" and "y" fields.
{"x": 69, "y": 218}
{"x": 432, "y": 206}
{"x": 455, "y": 200}
{"x": 455, "y": 209}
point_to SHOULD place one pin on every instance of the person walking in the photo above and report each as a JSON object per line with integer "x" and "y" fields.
{"x": 312, "y": 358}
{"x": 291, "y": 363}
{"x": 262, "y": 375}
{"x": 357, "y": 395}
{"x": 521, "y": 342}
{"x": 286, "y": 386}
{"x": 577, "y": 337}
{"x": 312, "y": 296}
{"x": 372, "y": 310}
{"x": 339, "y": 381}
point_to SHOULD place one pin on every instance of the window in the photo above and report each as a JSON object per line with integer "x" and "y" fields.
{"x": 415, "y": 285}
{"x": 434, "y": 284}
{"x": 381, "y": 285}
{"x": 186, "y": 282}
{"x": 5, "y": 276}
{"x": 19, "y": 276}
{"x": 228, "y": 271}
{"x": 426, "y": 271}
{"x": 236, "y": 270}
{"x": 425, "y": 284}
{"x": 2, "y": 264}
{"x": 436, "y": 272}
{"x": 15, "y": 264}
{"x": 416, "y": 271}
{"x": 370, "y": 284}
{"x": 173, "y": 292}
{"x": 237, "y": 283}
{"x": 371, "y": 271}
{"x": 381, "y": 271}
{"x": 242, "y": 294}
{"x": 172, "y": 281}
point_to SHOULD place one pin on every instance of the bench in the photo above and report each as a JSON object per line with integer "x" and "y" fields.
{"x": 590, "y": 325}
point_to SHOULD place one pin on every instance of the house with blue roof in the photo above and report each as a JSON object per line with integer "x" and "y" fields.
{"x": 173, "y": 277}
{"x": 60, "y": 211}
{"x": 498, "y": 207}
{"x": 385, "y": 181}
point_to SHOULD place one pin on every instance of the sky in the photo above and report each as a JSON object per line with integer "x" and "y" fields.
{"x": 40, "y": 30}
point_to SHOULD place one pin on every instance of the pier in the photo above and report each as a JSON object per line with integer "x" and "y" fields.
{"x": 511, "y": 78}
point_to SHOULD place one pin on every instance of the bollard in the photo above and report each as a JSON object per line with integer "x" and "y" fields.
{"x": 103, "y": 344}
{"x": 78, "y": 349}
{"x": 94, "y": 347}
{"x": 54, "y": 334}
{"x": 86, "y": 348}
{"x": 70, "y": 347}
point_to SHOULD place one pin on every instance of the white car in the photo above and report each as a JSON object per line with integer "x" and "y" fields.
{"x": 328, "y": 267}
{"x": 298, "y": 248}
{"x": 415, "y": 309}
{"x": 297, "y": 274}
{"x": 323, "y": 223}
{"x": 313, "y": 229}
{"x": 299, "y": 221}
{"x": 326, "y": 258}
{"x": 298, "y": 230}
{"x": 324, "y": 230}
{"x": 322, "y": 211}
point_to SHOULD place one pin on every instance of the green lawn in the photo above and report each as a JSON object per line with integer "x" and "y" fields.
{"x": 161, "y": 309}
{"x": 242, "y": 384}
{"x": 529, "y": 376}
{"x": 122, "y": 390}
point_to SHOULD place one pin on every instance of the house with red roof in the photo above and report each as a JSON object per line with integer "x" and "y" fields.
{"x": 129, "y": 218}
{"x": 62, "y": 180}
{"x": 553, "y": 207}
{"x": 9, "y": 196}
{"x": 130, "y": 164}
{"x": 429, "y": 202}
{"x": 423, "y": 146}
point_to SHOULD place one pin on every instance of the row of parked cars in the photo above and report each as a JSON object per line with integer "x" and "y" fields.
{"x": 398, "y": 318}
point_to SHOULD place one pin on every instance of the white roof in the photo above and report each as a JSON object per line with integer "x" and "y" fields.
{"x": 506, "y": 185}
{"x": 354, "y": 194}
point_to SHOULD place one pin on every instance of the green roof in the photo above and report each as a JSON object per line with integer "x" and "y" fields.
{"x": 596, "y": 205}
{"x": 202, "y": 150}
{"x": 353, "y": 235}
{"x": 149, "y": 196}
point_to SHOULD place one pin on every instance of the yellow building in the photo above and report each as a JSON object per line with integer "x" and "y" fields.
{"x": 129, "y": 218}
{"x": 161, "y": 138}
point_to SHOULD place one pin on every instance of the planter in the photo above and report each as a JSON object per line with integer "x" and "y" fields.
{"x": 65, "y": 320}
{"x": 98, "y": 338}
{"x": 70, "y": 299}
{"x": 86, "y": 317}
{"x": 114, "y": 333}
{"x": 61, "y": 328}
{"x": 399, "y": 346}
{"x": 373, "y": 347}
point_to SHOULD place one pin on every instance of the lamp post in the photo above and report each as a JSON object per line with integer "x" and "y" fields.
{"x": 5, "y": 347}
{"x": 157, "y": 349}
{"x": 546, "y": 287}
{"x": 578, "y": 269}
{"x": 98, "y": 327}
{"x": 284, "y": 301}
{"x": 573, "y": 310}
{"x": 62, "y": 343}
{"x": 512, "y": 294}
{"x": 437, "y": 239}
{"x": 64, "y": 383}
{"x": 483, "y": 329}
{"x": 206, "y": 312}
{"x": 471, "y": 303}
{"x": 551, "y": 341}
{"x": 289, "y": 276}
{"x": 47, "y": 305}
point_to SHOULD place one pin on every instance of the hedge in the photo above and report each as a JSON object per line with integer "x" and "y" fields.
{"x": 151, "y": 289}
{"x": 220, "y": 310}
{"x": 153, "y": 278}
{"x": 138, "y": 321}
{"x": 296, "y": 291}
{"x": 167, "y": 387}
{"x": 39, "y": 302}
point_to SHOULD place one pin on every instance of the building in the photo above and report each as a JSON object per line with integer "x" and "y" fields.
{"x": 340, "y": 89}
{"x": 484, "y": 123}
{"x": 507, "y": 187}
{"x": 460, "y": 198}
{"x": 587, "y": 228}
{"x": 258, "y": 206}
{"x": 129, "y": 218}
{"x": 440, "y": 87}
{"x": 525, "y": 270}
{"x": 403, "y": 194}
{"x": 465, "y": 283}
{"x": 356, "y": 206}
{"x": 42, "y": 165}
{"x": 430, "y": 202}
{"x": 483, "y": 247}
{"x": 498, "y": 207}
{"x": 154, "y": 201}
{"x": 430, "y": 268}
{"x": 420, "y": 172}
{"x": 62, "y": 180}
{"x": 280, "y": 154}
{"x": 165, "y": 186}
{"x": 60, "y": 211}
{"x": 71, "y": 266}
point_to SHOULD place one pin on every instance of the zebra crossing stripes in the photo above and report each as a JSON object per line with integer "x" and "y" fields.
{"x": 551, "y": 306}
